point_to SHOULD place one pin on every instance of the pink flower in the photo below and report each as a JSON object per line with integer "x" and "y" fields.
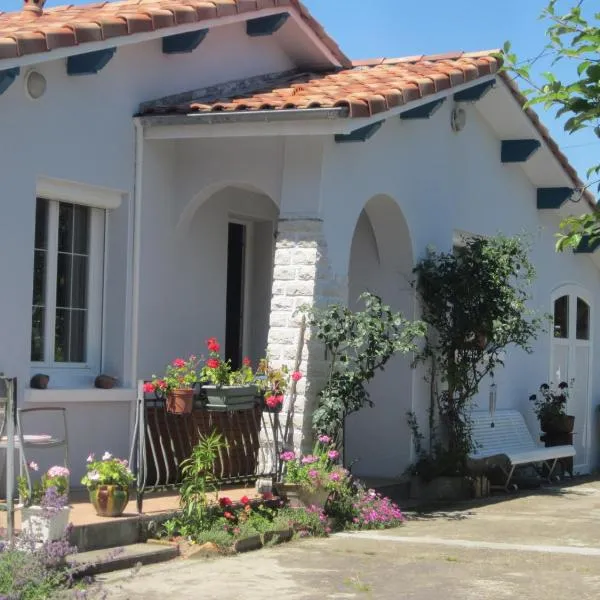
{"x": 90, "y": 458}
{"x": 178, "y": 363}
{"x": 246, "y": 362}
{"x": 324, "y": 439}
{"x": 296, "y": 376}
{"x": 161, "y": 384}
{"x": 309, "y": 460}
{"x": 312, "y": 473}
{"x": 334, "y": 476}
{"x": 33, "y": 466}
{"x": 274, "y": 401}
{"x": 58, "y": 471}
{"x": 212, "y": 363}
{"x": 228, "y": 515}
{"x": 148, "y": 388}
{"x": 213, "y": 345}
{"x": 287, "y": 456}
{"x": 225, "y": 501}
{"x": 333, "y": 455}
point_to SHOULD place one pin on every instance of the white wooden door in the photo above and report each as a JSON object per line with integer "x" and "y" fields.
{"x": 571, "y": 360}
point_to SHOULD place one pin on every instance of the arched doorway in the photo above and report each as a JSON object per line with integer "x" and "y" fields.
{"x": 381, "y": 262}
{"x": 571, "y": 359}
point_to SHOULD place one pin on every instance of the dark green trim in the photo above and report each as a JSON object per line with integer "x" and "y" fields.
{"x": 183, "y": 43}
{"x": 518, "y": 151}
{"x": 359, "y": 135}
{"x": 263, "y": 26}
{"x": 477, "y": 92}
{"x": 89, "y": 63}
{"x": 424, "y": 111}
{"x": 548, "y": 198}
{"x": 7, "y": 78}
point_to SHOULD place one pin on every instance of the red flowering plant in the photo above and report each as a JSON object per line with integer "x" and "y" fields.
{"x": 274, "y": 382}
{"x": 180, "y": 374}
{"x": 219, "y": 372}
{"x": 247, "y": 518}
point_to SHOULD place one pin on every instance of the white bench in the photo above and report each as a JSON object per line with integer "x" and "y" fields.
{"x": 505, "y": 441}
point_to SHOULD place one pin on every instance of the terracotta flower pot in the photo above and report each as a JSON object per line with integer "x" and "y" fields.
{"x": 180, "y": 402}
{"x": 109, "y": 500}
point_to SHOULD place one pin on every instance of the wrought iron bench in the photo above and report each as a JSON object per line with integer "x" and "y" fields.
{"x": 503, "y": 440}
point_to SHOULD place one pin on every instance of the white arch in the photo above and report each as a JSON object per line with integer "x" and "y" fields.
{"x": 199, "y": 199}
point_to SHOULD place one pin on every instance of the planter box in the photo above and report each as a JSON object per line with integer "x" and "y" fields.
{"x": 247, "y": 544}
{"x": 278, "y": 537}
{"x": 440, "y": 488}
{"x": 236, "y": 397}
{"x": 299, "y": 497}
{"x": 42, "y": 528}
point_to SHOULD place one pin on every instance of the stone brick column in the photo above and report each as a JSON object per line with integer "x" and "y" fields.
{"x": 301, "y": 277}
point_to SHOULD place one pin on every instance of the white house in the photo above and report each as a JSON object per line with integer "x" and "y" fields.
{"x": 175, "y": 170}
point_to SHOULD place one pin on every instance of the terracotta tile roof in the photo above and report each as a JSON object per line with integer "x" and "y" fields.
{"x": 369, "y": 88}
{"x": 26, "y": 32}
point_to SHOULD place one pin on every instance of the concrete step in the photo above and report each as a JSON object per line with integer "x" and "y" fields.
{"x": 125, "y": 557}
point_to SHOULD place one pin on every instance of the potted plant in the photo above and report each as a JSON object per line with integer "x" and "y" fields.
{"x": 176, "y": 385}
{"x": 108, "y": 481}
{"x": 273, "y": 384}
{"x": 46, "y": 508}
{"x": 550, "y": 409}
{"x": 224, "y": 386}
{"x": 309, "y": 480}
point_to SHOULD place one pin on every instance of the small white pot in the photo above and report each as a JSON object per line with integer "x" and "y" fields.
{"x": 43, "y": 528}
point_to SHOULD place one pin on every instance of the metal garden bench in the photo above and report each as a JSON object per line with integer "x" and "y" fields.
{"x": 504, "y": 441}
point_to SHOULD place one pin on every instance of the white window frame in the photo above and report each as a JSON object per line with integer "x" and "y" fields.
{"x": 98, "y": 200}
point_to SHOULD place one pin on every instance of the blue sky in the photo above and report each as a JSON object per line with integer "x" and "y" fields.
{"x": 372, "y": 28}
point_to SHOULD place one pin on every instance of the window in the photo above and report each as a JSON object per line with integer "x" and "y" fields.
{"x": 583, "y": 320}
{"x": 67, "y": 284}
{"x": 561, "y": 317}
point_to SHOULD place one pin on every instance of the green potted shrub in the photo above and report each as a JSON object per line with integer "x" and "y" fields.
{"x": 176, "y": 385}
{"x": 108, "y": 481}
{"x": 551, "y": 409}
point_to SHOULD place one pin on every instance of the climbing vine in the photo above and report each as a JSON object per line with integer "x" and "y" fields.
{"x": 474, "y": 300}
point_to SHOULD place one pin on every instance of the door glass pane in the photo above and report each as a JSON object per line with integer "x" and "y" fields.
{"x": 561, "y": 317}
{"x": 40, "y": 265}
{"x": 65, "y": 227}
{"x": 583, "y": 320}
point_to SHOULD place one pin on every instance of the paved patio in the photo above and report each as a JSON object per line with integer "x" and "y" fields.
{"x": 542, "y": 544}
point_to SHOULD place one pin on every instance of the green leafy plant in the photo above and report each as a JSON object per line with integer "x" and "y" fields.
{"x": 107, "y": 471}
{"x": 198, "y": 479}
{"x": 217, "y": 371}
{"x": 475, "y": 301}
{"x": 55, "y": 479}
{"x": 550, "y": 403}
{"x": 573, "y": 38}
{"x": 304, "y": 521}
{"x": 358, "y": 344}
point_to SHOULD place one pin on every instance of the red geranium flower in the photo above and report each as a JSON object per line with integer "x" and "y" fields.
{"x": 213, "y": 345}
{"x": 162, "y": 384}
{"x": 178, "y": 363}
{"x": 274, "y": 401}
{"x": 245, "y": 500}
{"x": 228, "y": 515}
{"x": 225, "y": 501}
{"x": 296, "y": 376}
{"x": 247, "y": 362}
{"x": 148, "y": 388}
{"x": 212, "y": 363}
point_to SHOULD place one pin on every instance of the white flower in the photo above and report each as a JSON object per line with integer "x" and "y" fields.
{"x": 93, "y": 475}
{"x": 90, "y": 458}
{"x": 106, "y": 456}
{"x": 33, "y": 466}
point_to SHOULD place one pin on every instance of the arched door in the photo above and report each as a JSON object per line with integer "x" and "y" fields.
{"x": 571, "y": 360}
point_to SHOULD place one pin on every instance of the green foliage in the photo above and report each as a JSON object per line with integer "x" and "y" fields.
{"x": 21, "y": 577}
{"x": 551, "y": 403}
{"x": 475, "y": 301}
{"x": 107, "y": 471}
{"x": 198, "y": 479}
{"x": 575, "y": 38}
{"x": 358, "y": 345}
{"x": 303, "y": 521}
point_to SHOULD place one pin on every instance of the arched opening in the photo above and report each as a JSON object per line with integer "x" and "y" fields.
{"x": 381, "y": 262}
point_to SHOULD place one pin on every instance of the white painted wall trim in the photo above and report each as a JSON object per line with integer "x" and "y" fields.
{"x": 75, "y": 192}
{"x": 80, "y": 396}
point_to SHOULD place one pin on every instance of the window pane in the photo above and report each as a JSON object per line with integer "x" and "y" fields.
{"x": 65, "y": 227}
{"x": 583, "y": 320}
{"x": 70, "y": 335}
{"x": 561, "y": 317}
{"x": 78, "y": 337}
{"x": 61, "y": 336}
{"x": 79, "y": 282}
{"x": 81, "y": 229}
{"x": 39, "y": 277}
{"x": 37, "y": 334}
{"x": 41, "y": 223}
{"x": 63, "y": 280}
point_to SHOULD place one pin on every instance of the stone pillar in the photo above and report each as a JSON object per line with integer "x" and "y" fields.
{"x": 301, "y": 277}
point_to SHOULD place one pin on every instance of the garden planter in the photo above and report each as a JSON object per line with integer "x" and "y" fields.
{"x": 180, "y": 402}
{"x": 440, "y": 488}
{"x": 278, "y": 537}
{"x": 558, "y": 424}
{"x": 42, "y": 527}
{"x": 109, "y": 500}
{"x": 253, "y": 542}
{"x": 236, "y": 397}
{"x": 300, "y": 497}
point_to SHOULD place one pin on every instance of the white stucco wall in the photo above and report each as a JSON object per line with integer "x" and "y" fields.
{"x": 82, "y": 130}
